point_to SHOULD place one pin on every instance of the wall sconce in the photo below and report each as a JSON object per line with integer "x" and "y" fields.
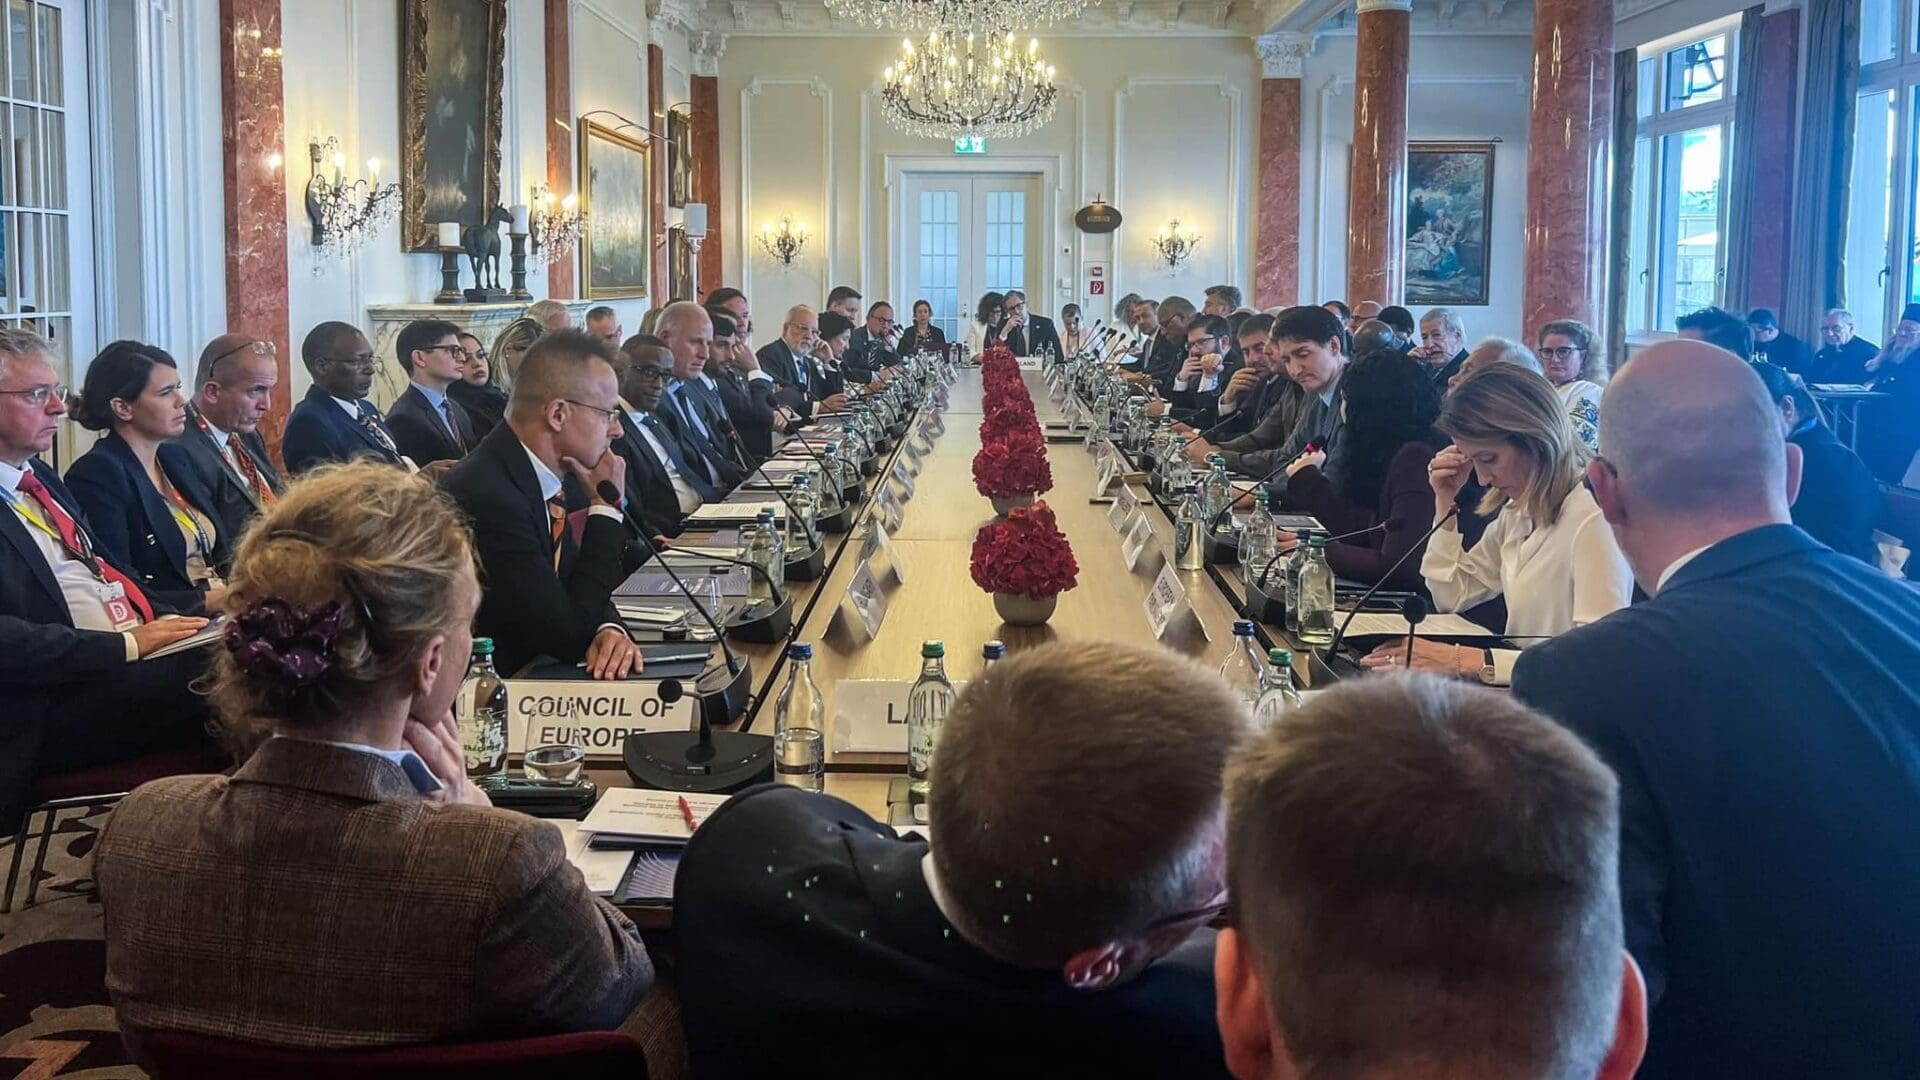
{"x": 556, "y": 225}
{"x": 784, "y": 240}
{"x": 1175, "y": 242}
{"x": 345, "y": 215}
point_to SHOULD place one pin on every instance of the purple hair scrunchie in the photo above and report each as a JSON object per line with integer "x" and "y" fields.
{"x": 287, "y": 646}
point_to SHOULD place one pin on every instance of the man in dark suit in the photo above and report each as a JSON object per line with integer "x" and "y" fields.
{"x": 1074, "y": 932}
{"x": 1776, "y": 345}
{"x": 691, "y": 410}
{"x": 745, "y": 390}
{"x": 73, "y": 627}
{"x": 428, "y": 425}
{"x": 789, "y": 360}
{"x": 873, "y": 353}
{"x": 233, "y": 389}
{"x": 1025, "y": 332}
{"x": 1443, "y": 344}
{"x": 1839, "y": 503}
{"x": 1256, "y": 391}
{"x": 1210, "y": 362}
{"x": 1762, "y": 715}
{"x": 550, "y": 544}
{"x": 335, "y": 421}
{"x": 661, "y": 488}
{"x": 1843, "y": 354}
{"x": 1170, "y": 351}
{"x": 1310, "y": 343}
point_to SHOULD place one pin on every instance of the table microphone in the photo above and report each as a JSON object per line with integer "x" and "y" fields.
{"x": 1392, "y": 524}
{"x": 699, "y": 760}
{"x": 1414, "y": 610}
{"x": 611, "y": 496}
{"x": 781, "y": 495}
{"x": 1452, "y": 512}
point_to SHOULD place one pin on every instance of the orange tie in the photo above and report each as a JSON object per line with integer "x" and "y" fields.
{"x": 557, "y": 522}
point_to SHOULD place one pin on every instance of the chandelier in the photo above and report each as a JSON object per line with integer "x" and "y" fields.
{"x": 345, "y": 213}
{"x": 556, "y": 226}
{"x": 961, "y": 84}
{"x": 987, "y": 16}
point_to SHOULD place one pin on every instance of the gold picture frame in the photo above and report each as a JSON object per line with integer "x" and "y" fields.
{"x": 616, "y": 250}
{"x": 453, "y": 78}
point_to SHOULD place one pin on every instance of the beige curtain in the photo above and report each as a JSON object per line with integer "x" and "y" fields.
{"x": 1747, "y": 138}
{"x": 1626, "y": 123}
{"x": 1817, "y": 242}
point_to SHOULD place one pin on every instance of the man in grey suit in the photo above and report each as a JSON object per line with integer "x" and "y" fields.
{"x": 233, "y": 389}
{"x": 1309, "y": 341}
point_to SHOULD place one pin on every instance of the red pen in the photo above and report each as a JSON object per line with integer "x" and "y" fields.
{"x": 686, "y": 811}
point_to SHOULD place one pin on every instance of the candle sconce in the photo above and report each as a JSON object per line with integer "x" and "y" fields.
{"x": 555, "y": 225}
{"x": 1176, "y": 242}
{"x": 345, "y": 214}
{"x": 783, "y": 240}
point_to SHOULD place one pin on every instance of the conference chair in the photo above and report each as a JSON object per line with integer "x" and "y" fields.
{"x": 582, "y": 1055}
{"x": 102, "y": 785}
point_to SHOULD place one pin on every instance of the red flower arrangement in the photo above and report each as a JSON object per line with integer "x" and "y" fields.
{"x": 1008, "y": 418}
{"x": 1014, "y": 466}
{"x": 1000, "y": 377}
{"x": 1025, "y": 555}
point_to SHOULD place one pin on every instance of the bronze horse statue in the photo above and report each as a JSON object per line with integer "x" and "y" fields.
{"x": 482, "y": 245}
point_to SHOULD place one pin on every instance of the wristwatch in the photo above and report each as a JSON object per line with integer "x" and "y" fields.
{"x": 1489, "y": 676}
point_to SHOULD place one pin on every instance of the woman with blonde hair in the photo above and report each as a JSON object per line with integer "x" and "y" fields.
{"x": 347, "y": 885}
{"x": 1549, "y": 551}
{"x": 510, "y": 346}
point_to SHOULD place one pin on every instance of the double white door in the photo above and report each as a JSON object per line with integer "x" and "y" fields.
{"x": 965, "y": 235}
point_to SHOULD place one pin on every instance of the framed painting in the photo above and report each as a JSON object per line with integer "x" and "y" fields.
{"x": 679, "y": 264}
{"x": 679, "y": 158}
{"x": 453, "y": 72}
{"x": 1449, "y": 210}
{"x": 616, "y": 247}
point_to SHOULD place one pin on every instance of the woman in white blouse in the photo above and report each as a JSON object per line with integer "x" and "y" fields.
{"x": 1549, "y": 551}
{"x": 984, "y": 334}
{"x": 1568, "y": 361}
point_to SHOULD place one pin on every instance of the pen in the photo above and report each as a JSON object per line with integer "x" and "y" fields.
{"x": 686, "y": 811}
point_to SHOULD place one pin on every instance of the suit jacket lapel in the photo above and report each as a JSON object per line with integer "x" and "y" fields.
{"x": 153, "y": 505}
{"x": 16, "y": 533}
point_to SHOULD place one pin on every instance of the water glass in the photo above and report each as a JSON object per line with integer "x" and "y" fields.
{"x": 800, "y": 758}
{"x": 555, "y": 749}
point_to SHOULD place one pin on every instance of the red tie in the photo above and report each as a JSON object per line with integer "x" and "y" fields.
{"x": 76, "y": 545}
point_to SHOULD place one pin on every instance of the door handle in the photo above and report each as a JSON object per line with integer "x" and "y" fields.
{"x": 1885, "y": 273}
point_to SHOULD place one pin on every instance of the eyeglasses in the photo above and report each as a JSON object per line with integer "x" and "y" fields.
{"x": 608, "y": 413}
{"x": 258, "y": 348}
{"x": 1561, "y": 352}
{"x": 36, "y": 398}
{"x": 455, "y": 349}
{"x": 657, "y": 374}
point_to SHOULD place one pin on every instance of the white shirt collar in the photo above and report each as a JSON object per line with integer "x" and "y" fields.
{"x": 550, "y": 484}
{"x": 352, "y": 407}
{"x": 708, "y": 380}
{"x": 410, "y": 763}
{"x": 1676, "y": 566}
{"x": 218, "y": 434}
{"x": 10, "y": 477}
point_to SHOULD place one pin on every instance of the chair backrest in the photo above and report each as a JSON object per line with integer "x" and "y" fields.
{"x": 584, "y": 1055}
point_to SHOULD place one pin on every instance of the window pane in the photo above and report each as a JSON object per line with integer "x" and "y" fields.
{"x": 1648, "y": 90}
{"x": 53, "y": 131}
{"x": 1697, "y": 73}
{"x": 1879, "y": 30}
{"x": 1640, "y": 239}
{"x": 1690, "y": 233}
{"x": 9, "y": 262}
{"x": 1870, "y": 214}
{"x": 26, "y": 171}
{"x": 20, "y": 39}
{"x": 48, "y": 26}
{"x": 27, "y": 263}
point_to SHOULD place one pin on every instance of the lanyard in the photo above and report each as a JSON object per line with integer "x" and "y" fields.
{"x": 24, "y": 506}
{"x": 189, "y": 521}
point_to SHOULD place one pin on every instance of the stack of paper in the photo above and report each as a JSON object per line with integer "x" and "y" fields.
{"x": 644, "y": 818}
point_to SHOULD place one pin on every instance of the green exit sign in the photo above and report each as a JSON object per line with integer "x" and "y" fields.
{"x": 970, "y": 144}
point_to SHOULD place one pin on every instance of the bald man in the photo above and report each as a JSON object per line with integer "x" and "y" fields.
{"x": 1762, "y": 712}
{"x": 691, "y": 408}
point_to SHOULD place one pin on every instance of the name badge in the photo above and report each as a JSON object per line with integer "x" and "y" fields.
{"x": 600, "y": 715}
{"x": 1125, "y": 505}
{"x": 1138, "y": 541}
{"x": 1166, "y": 601}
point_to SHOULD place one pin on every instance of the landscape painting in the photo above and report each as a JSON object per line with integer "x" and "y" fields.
{"x": 615, "y": 248}
{"x": 1449, "y": 205}
{"x": 453, "y": 56}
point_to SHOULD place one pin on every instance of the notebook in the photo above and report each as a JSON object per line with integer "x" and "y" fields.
{"x": 636, "y": 817}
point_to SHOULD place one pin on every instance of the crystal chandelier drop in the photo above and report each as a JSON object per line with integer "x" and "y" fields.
{"x": 959, "y": 16}
{"x": 956, "y": 85}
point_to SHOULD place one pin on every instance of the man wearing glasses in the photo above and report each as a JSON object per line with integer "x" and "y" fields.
{"x": 1024, "y": 332}
{"x": 233, "y": 391}
{"x": 873, "y": 354}
{"x": 335, "y": 421}
{"x": 551, "y": 544}
{"x": 788, "y": 359}
{"x": 427, "y": 424}
{"x": 73, "y": 627}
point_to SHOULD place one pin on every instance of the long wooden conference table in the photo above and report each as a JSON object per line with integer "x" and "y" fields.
{"x": 938, "y": 599}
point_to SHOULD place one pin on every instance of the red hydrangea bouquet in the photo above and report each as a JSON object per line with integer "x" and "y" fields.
{"x": 1011, "y": 417}
{"x": 1000, "y": 377}
{"x": 1012, "y": 469}
{"x": 1025, "y": 562}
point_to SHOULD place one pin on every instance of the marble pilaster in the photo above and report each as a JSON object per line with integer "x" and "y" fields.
{"x": 1570, "y": 139}
{"x": 1276, "y": 267}
{"x": 1377, "y": 190}
{"x": 253, "y": 136}
{"x": 559, "y": 50}
{"x": 706, "y": 176}
{"x": 657, "y": 163}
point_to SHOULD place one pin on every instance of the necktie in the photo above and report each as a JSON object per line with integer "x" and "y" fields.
{"x": 379, "y": 432}
{"x": 557, "y": 522}
{"x": 1017, "y": 341}
{"x": 453, "y": 429}
{"x": 689, "y": 412}
{"x": 79, "y": 546}
{"x": 262, "y": 491}
{"x": 678, "y": 463}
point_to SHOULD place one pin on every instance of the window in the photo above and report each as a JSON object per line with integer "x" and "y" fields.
{"x": 1677, "y": 260}
{"x": 940, "y": 260}
{"x": 1882, "y": 269}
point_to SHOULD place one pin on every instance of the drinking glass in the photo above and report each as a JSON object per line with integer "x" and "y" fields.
{"x": 555, "y": 750}
{"x": 800, "y": 758}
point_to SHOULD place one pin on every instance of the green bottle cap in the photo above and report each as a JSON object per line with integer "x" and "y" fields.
{"x": 932, "y": 649}
{"x": 483, "y": 646}
{"x": 1280, "y": 658}
{"x": 1317, "y": 543}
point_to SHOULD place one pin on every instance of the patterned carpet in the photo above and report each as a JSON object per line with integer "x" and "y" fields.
{"x": 54, "y": 1016}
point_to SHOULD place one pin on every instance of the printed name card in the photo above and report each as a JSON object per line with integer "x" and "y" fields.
{"x": 1125, "y": 505}
{"x": 603, "y": 714}
{"x": 878, "y": 540}
{"x": 1029, "y": 363}
{"x": 868, "y": 600}
{"x": 1166, "y": 601}
{"x": 904, "y": 476}
{"x": 1138, "y": 543}
{"x": 890, "y": 510}
{"x": 870, "y": 715}
{"x": 1105, "y": 473}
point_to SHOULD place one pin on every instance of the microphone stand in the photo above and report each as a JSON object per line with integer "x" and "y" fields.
{"x": 812, "y": 540}
{"x": 611, "y": 496}
{"x": 1414, "y": 610}
{"x": 766, "y": 628}
{"x": 1340, "y": 635}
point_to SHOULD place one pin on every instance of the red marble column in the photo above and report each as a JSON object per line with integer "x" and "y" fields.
{"x": 1570, "y": 141}
{"x": 657, "y": 165}
{"x": 253, "y": 135}
{"x": 1772, "y": 193}
{"x": 559, "y": 42}
{"x": 1276, "y": 265}
{"x": 706, "y": 176}
{"x": 1377, "y": 194}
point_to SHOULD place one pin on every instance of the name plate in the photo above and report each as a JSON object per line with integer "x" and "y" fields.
{"x": 1071, "y": 411}
{"x": 870, "y": 715}
{"x": 904, "y": 476}
{"x": 868, "y": 599}
{"x": 878, "y": 540}
{"x": 1139, "y": 539}
{"x": 1166, "y": 601}
{"x": 889, "y": 511}
{"x": 1105, "y": 474}
{"x": 1125, "y": 505}
{"x": 1029, "y": 363}
{"x": 603, "y": 713}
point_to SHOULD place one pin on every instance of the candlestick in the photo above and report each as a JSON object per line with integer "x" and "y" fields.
{"x": 518, "y": 264}
{"x": 449, "y": 274}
